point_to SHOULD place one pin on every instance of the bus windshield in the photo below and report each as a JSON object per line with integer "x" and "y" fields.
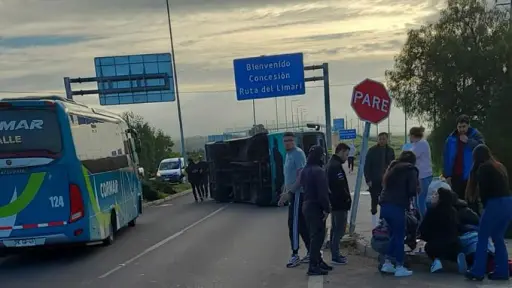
{"x": 172, "y": 165}
{"x": 29, "y": 130}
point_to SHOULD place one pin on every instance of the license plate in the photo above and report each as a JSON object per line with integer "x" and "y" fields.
{"x": 25, "y": 243}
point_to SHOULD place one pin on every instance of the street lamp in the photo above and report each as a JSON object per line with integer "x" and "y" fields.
{"x": 175, "y": 79}
{"x": 291, "y": 109}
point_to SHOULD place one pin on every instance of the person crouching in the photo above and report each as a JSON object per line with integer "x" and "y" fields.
{"x": 439, "y": 229}
{"x": 400, "y": 185}
{"x": 316, "y": 208}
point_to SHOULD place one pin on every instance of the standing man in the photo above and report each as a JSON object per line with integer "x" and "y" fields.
{"x": 351, "y": 156}
{"x": 341, "y": 201}
{"x": 294, "y": 162}
{"x": 377, "y": 161}
{"x": 194, "y": 177}
{"x": 205, "y": 170}
{"x": 316, "y": 208}
{"x": 458, "y": 158}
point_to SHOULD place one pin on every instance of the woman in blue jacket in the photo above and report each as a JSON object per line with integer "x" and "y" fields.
{"x": 400, "y": 184}
{"x": 489, "y": 181}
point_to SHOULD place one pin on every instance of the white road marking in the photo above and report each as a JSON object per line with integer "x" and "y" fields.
{"x": 164, "y": 205}
{"x": 316, "y": 282}
{"x": 163, "y": 242}
{"x": 362, "y": 193}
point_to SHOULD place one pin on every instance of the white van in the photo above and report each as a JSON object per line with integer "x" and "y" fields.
{"x": 172, "y": 170}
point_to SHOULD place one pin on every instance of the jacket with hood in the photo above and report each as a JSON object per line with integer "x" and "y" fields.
{"x": 450, "y": 151}
{"x": 338, "y": 185}
{"x": 400, "y": 185}
{"x": 193, "y": 171}
{"x": 441, "y": 221}
{"x": 468, "y": 219}
{"x": 377, "y": 161}
{"x": 314, "y": 182}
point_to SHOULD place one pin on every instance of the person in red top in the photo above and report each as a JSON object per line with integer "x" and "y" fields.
{"x": 458, "y": 158}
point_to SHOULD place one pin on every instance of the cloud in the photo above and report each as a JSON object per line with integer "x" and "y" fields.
{"x": 40, "y": 40}
{"x": 357, "y": 38}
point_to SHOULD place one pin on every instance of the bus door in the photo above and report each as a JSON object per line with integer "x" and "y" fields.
{"x": 37, "y": 198}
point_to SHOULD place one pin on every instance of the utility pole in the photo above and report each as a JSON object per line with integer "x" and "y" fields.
{"x": 175, "y": 79}
{"x": 285, "y": 115}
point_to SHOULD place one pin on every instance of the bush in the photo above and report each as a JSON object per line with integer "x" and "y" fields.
{"x": 153, "y": 190}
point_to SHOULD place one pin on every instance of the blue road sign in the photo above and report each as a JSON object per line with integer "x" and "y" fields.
{"x": 136, "y": 66}
{"x": 347, "y": 134}
{"x": 269, "y": 76}
{"x": 338, "y": 124}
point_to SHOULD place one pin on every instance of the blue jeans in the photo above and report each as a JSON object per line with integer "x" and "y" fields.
{"x": 493, "y": 223}
{"x": 395, "y": 217}
{"x": 421, "y": 199}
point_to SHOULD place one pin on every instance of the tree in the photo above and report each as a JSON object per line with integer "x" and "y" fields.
{"x": 155, "y": 144}
{"x": 455, "y": 66}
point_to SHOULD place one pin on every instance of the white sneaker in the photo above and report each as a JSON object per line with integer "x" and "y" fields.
{"x": 375, "y": 221}
{"x": 401, "y": 271}
{"x": 388, "y": 267}
{"x": 436, "y": 266}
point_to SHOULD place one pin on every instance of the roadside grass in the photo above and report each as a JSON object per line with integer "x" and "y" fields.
{"x": 154, "y": 190}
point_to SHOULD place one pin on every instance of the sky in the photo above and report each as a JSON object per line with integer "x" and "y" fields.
{"x": 42, "y": 41}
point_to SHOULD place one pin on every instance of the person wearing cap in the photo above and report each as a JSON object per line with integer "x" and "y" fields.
{"x": 316, "y": 208}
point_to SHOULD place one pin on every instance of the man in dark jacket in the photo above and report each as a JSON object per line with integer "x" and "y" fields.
{"x": 377, "y": 161}
{"x": 457, "y": 156}
{"x": 316, "y": 207}
{"x": 341, "y": 201}
{"x": 205, "y": 170}
{"x": 194, "y": 178}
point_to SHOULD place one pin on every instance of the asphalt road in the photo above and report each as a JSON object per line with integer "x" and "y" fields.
{"x": 183, "y": 244}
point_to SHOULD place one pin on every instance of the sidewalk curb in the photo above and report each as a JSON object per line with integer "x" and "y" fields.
{"x": 168, "y": 198}
{"x": 365, "y": 249}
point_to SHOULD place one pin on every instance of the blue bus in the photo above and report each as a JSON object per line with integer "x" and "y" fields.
{"x": 68, "y": 173}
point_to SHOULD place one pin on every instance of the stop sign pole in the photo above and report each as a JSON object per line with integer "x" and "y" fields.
{"x": 371, "y": 103}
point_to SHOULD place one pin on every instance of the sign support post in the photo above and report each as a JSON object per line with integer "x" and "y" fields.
{"x": 254, "y": 111}
{"x": 371, "y": 102}
{"x": 67, "y": 86}
{"x": 327, "y": 104}
{"x": 359, "y": 179}
{"x": 327, "y": 98}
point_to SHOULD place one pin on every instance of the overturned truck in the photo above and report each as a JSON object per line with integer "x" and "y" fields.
{"x": 250, "y": 169}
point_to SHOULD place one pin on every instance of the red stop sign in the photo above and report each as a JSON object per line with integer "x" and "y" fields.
{"x": 371, "y": 101}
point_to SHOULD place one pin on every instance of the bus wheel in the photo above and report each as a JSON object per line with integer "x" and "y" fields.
{"x": 111, "y": 237}
{"x": 132, "y": 223}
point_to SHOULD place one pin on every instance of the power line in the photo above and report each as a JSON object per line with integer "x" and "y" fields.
{"x": 184, "y": 92}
